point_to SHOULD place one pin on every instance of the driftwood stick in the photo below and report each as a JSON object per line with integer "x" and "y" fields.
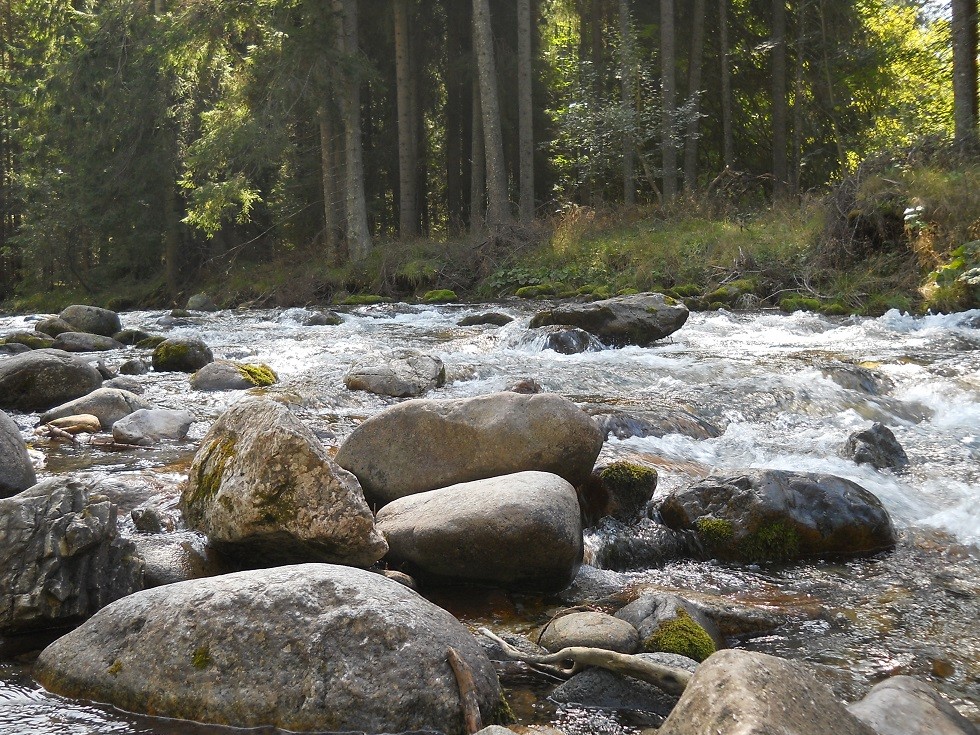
{"x": 467, "y": 692}
{"x": 667, "y": 678}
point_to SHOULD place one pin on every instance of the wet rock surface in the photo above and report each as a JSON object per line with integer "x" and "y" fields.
{"x": 109, "y": 405}
{"x": 41, "y": 379}
{"x": 402, "y": 374}
{"x": 876, "y": 446}
{"x": 641, "y": 319}
{"x": 16, "y": 470}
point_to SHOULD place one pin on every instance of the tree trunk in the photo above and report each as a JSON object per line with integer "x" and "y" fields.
{"x": 408, "y": 216}
{"x": 328, "y": 175}
{"x": 799, "y": 94}
{"x": 964, "y": 70}
{"x": 478, "y": 168}
{"x": 831, "y": 103}
{"x": 694, "y": 93}
{"x": 668, "y": 76}
{"x": 358, "y": 234}
{"x": 626, "y": 61}
{"x": 779, "y": 104}
{"x": 458, "y": 106}
{"x": 727, "y": 134}
{"x": 498, "y": 212}
{"x": 525, "y": 109}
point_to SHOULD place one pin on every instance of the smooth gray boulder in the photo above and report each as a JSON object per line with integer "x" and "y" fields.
{"x": 490, "y": 318}
{"x": 309, "y": 647}
{"x": 876, "y": 446}
{"x": 53, "y": 326}
{"x": 181, "y": 355}
{"x": 61, "y": 558}
{"x": 85, "y": 342}
{"x": 13, "y": 348}
{"x": 201, "y": 302}
{"x": 640, "y": 319}
{"x": 92, "y": 319}
{"x": 401, "y": 374}
{"x": 519, "y": 531}
{"x": 177, "y": 557}
{"x": 263, "y": 489}
{"x": 591, "y": 629}
{"x": 427, "y": 444}
{"x": 124, "y": 383}
{"x": 40, "y": 379}
{"x": 16, "y": 470}
{"x": 228, "y": 375}
{"x": 754, "y": 694}
{"x": 148, "y": 426}
{"x": 109, "y": 405}
{"x": 777, "y": 515}
{"x": 134, "y": 366}
{"x": 568, "y": 340}
{"x": 902, "y": 705}
{"x": 323, "y": 319}
{"x": 604, "y": 689}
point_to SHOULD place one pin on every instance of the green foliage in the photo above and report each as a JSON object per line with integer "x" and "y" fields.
{"x": 681, "y": 635}
{"x": 799, "y": 303}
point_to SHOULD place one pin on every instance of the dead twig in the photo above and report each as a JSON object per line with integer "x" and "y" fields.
{"x": 467, "y": 692}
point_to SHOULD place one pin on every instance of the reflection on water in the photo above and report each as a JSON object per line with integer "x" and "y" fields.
{"x": 785, "y": 390}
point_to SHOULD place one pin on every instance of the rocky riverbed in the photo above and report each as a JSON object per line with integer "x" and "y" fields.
{"x": 762, "y": 403}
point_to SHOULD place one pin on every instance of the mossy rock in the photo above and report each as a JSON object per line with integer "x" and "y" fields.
{"x": 686, "y": 291}
{"x": 181, "y": 354}
{"x": 771, "y": 542}
{"x": 535, "y": 292}
{"x": 715, "y": 533}
{"x": 259, "y": 375}
{"x": 440, "y": 296}
{"x": 681, "y": 635}
{"x": 799, "y": 303}
{"x": 835, "y": 309}
{"x": 151, "y": 343}
{"x": 210, "y": 472}
{"x": 180, "y": 313}
{"x": 627, "y": 292}
{"x": 362, "y": 299}
{"x": 33, "y": 340}
{"x": 620, "y": 490}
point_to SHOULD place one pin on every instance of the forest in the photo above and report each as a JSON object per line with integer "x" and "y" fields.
{"x": 296, "y": 151}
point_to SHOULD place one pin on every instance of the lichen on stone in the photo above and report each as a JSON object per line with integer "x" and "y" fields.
{"x": 212, "y": 468}
{"x": 201, "y": 658}
{"x": 115, "y": 668}
{"x": 260, "y": 376}
{"x": 714, "y": 533}
{"x": 681, "y": 635}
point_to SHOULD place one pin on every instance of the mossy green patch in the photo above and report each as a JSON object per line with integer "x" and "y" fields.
{"x": 686, "y": 291}
{"x": 629, "y": 478}
{"x": 151, "y": 343}
{"x": 681, "y": 635}
{"x": 35, "y": 342}
{"x": 772, "y": 542}
{"x": 362, "y": 299}
{"x": 799, "y": 303}
{"x": 201, "y": 658}
{"x": 440, "y": 296}
{"x": 115, "y": 668}
{"x": 260, "y": 376}
{"x": 170, "y": 353}
{"x": 211, "y": 470}
{"x": 534, "y": 292}
{"x": 714, "y": 533}
{"x": 502, "y": 714}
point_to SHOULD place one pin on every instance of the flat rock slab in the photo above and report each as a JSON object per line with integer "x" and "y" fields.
{"x": 146, "y": 427}
{"x": 744, "y": 693}
{"x": 84, "y": 342}
{"x": 423, "y": 445}
{"x": 309, "y": 647}
{"x": 519, "y": 531}
{"x": 640, "y": 319}
{"x": 41, "y": 379}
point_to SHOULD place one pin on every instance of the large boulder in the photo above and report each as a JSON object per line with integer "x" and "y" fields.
{"x": 85, "y": 342}
{"x": 640, "y": 319}
{"x": 619, "y": 490}
{"x": 148, "y": 426}
{"x": 109, "y": 405}
{"x": 777, "y": 515}
{"x": 668, "y": 624}
{"x": 60, "y": 556}
{"x": 402, "y": 374}
{"x": 53, "y": 326}
{"x": 902, "y": 705}
{"x": 201, "y": 302}
{"x": 16, "y": 470}
{"x": 181, "y": 355}
{"x": 263, "y": 489}
{"x": 228, "y": 375}
{"x": 92, "y": 319}
{"x": 38, "y": 380}
{"x": 745, "y": 693}
{"x": 310, "y": 647}
{"x": 427, "y": 444}
{"x": 520, "y": 531}
{"x": 31, "y": 340}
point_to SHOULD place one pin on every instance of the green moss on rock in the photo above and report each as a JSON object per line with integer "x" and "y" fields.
{"x": 260, "y": 376}
{"x": 211, "y": 470}
{"x": 681, "y": 635}
{"x": 534, "y": 292}
{"x": 715, "y": 533}
{"x": 771, "y": 542}
{"x": 170, "y": 353}
{"x": 201, "y": 658}
{"x": 115, "y": 668}
{"x": 628, "y": 478}
{"x": 151, "y": 343}
{"x": 440, "y": 296}
{"x": 362, "y": 299}
{"x": 799, "y": 303}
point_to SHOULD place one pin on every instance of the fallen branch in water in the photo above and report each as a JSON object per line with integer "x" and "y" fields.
{"x": 667, "y": 678}
{"x": 467, "y": 692}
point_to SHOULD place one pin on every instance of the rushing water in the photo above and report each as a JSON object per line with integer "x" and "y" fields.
{"x": 782, "y": 388}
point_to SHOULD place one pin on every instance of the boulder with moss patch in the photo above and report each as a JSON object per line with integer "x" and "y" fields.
{"x": 620, "y": 490}
{"x": 264, "y": 490}
{"x": 92, "y": 319}
{"x": 84, "y": 342}
{"x": 669, "y": 624}
{"x": 181, "y": 354}
{"x": 53, "y": 326}
{"x": 440, "y": 296}
{"x": 228, "y": 375}
{"x": 31, "y": 340}
{"x": 639, "y": 319}
{"x": 780, "y": 516}
{"x": 313, "y": 647}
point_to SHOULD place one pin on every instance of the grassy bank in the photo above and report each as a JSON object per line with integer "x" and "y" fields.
{"x": 893, "y": 235}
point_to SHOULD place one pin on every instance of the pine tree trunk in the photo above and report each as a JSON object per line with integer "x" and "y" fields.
{"x": 668, "y": 76}
{"x": 626, "y": 56}
{"x": 525, "y": 110}
{"x": 458, "y": 105}
{"x": 358, "y": 234}
{"x": 780, "y": 172}
{"x": 694, "y": 92}
{"x": 408, "y": 216}
{"x": 964, "y": 70}
{"x": 478, "y": 168}
{"x": 727, "y": 131}
{"x": 498, "y": 211}
{"x": 799, "y": 95}
{"x": 328, "y": 176}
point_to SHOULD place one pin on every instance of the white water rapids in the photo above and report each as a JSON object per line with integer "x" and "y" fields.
{"x": 783, "y": 390}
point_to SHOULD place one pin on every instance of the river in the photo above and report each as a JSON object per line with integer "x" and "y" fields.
{"x": 783, "y": 388}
